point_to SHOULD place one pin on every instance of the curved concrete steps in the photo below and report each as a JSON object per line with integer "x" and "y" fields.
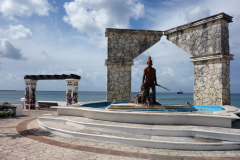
{"x": 157, "y": 118}
{"x": 148, "y": 136}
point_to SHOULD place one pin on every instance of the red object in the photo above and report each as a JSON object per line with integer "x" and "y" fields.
{"x": 32, "y": 107}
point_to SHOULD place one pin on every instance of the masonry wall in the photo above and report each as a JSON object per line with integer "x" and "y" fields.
{"x": 123, "y": 46}
{"x": 205, "y": 39}
{"x": 212, "y": 82}
{"x": 127, "y": 46}
{"x": 119, "y": 82}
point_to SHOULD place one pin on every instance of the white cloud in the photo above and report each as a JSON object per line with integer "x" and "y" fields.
{"x": 94, "y": 16}
{"x": 98, "y": 40}
{"x": 78, "y": 72}
{"x": 55, "y": 69}
{"x": 96, "y": 78}
{"x": 19, "y": 32}
{"x": 12, "y": 76}
{"x": 197, "y": 13}
{"x": 45, "y": 55}
{"x": 142, "y": 60}
{"x": 52, "y": 69}
{"x": 11, "y": 8}
{"x": 10, "y": 51}
{"x": 168, "y": 72}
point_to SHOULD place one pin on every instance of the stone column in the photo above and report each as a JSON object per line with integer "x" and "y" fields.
{"x": 119, "y": 80}
{"x": 212, "y": 81}
{"x": 72, "y": 91}
{"x": 30, "y": 94}
{"x": 123, "y": 46}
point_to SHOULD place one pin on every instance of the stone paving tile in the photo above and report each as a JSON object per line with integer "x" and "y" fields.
{"x": 25, "y": 148}
{"x": 15, "y": 146}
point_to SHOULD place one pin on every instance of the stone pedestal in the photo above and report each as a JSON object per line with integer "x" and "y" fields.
{"x": 72, "y": 91}
{"x": 30, "y": 94}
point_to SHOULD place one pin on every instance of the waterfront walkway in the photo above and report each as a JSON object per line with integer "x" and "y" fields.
{"x": 21, "y": 138}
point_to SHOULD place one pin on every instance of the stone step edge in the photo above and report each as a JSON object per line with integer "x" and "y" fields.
{"x": 144, "y": 143}
{"x": 148, "y": 131}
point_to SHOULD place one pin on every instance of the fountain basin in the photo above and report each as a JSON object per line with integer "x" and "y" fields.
{"x": 167, "y": 118}
{"x": 158, "y": 108}
{"x": 202, "y": 109}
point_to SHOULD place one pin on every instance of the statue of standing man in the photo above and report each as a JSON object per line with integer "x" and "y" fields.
{"x": 149, "y": 80}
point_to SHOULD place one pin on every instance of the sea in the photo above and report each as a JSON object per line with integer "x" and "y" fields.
{"x": 88, "y": 96}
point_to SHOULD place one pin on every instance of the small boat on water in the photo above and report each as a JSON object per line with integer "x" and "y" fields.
{"x": 179, "y": 92}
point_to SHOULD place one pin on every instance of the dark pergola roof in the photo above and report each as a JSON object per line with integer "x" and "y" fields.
{"x": 52, "y": 77}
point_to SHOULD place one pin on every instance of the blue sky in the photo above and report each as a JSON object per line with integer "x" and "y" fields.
{"x": 63, "y": 37}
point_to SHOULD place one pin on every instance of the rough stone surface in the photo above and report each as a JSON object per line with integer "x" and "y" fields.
{"x": 123, "y": 46}
{"x": 212, "y": 82}
{"x": 206, "y": 39}
{"x": 119, "y": 82}
{"x": 127, "y": 46}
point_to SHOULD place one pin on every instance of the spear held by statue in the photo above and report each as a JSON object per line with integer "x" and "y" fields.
{"x": 163, "y": 87}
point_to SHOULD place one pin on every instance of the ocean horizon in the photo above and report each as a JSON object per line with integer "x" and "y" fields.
{"x": 167, "y": 98}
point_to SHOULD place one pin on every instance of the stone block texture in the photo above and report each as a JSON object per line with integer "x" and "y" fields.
{"x": 204, "y": 37}
{"x": 123, "y": 46}
{"x": 212, "y": 82}
{"x": 119, "y": 82}
{"x": 206, "y": 40}
{"x": 128, "y": 44}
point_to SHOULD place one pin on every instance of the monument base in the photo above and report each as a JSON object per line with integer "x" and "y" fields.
{"x": 133, "y": 106}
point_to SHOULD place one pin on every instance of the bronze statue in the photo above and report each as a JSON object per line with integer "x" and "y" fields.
{"x": 143, "y": 93}
{"x": 149, "y": 80}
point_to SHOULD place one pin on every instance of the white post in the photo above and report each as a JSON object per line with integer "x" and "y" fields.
{"x": 27, "y": 85}
{"x": 71, "y": 91}
{"x": 30, "y": 94}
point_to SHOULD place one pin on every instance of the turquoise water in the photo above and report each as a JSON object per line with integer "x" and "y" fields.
{"x": 100, "y": 104}
{"x": 163, "y": 98}
{"x": 197, "y": 109}
{"x": 208, "y": 109}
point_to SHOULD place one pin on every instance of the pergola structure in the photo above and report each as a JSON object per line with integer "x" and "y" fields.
{"x": 31, "y": 85}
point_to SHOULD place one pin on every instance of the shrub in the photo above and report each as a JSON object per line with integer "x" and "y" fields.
{"x": 5, "y": 103}
{"x": 6, "y": 112}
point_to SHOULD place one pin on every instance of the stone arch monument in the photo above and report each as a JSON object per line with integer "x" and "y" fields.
{"x": 206, "y": 40}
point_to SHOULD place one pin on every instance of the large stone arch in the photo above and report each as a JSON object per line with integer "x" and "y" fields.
{"x": 206, "y": 40}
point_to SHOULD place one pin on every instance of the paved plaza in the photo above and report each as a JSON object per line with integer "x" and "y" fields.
{"x": 21, "y": 138}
